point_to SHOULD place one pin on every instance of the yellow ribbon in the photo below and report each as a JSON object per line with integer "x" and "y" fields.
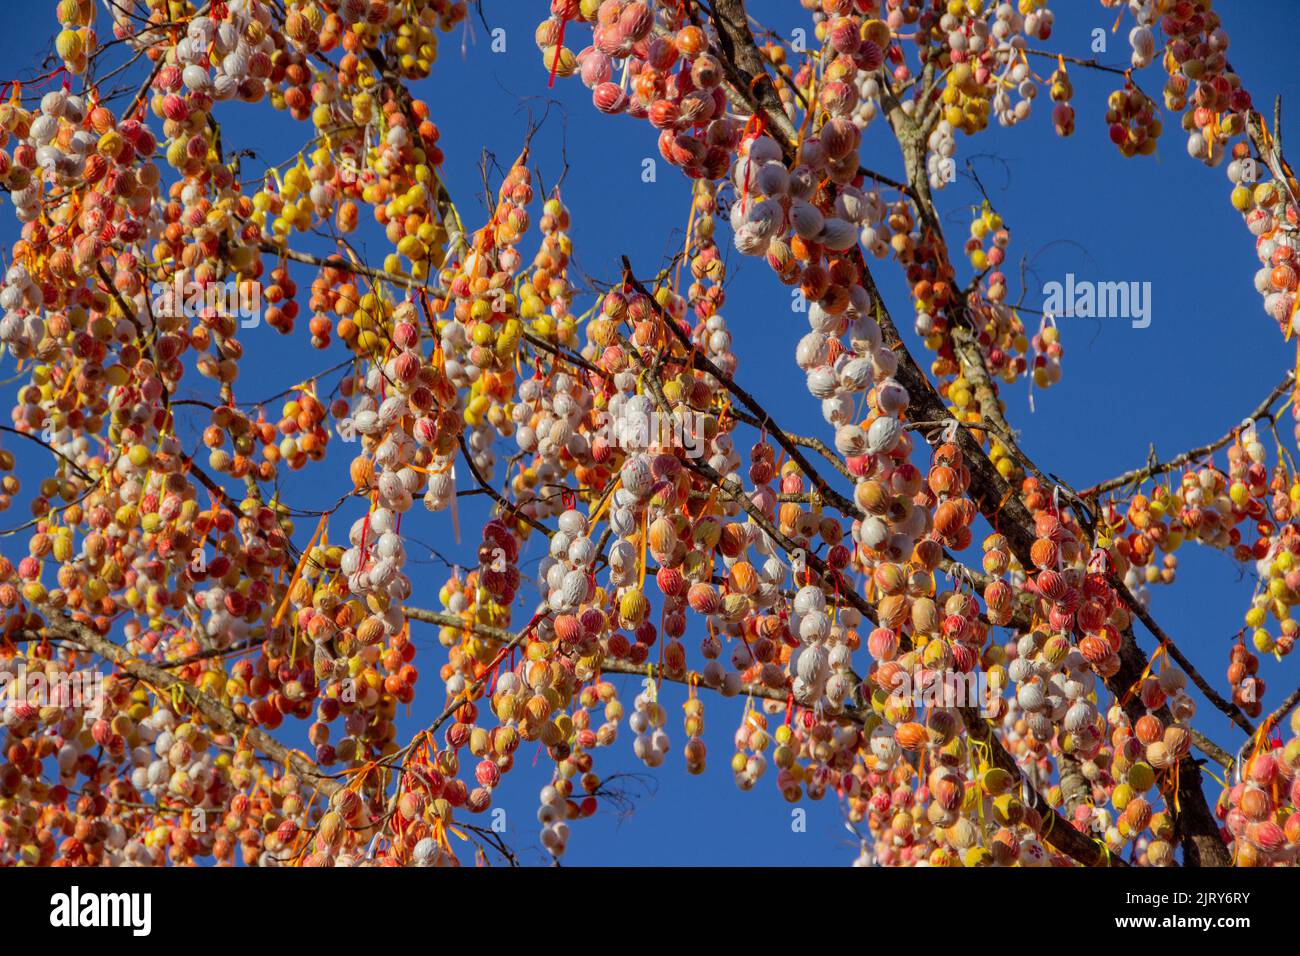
{"x": 297, "y": 573}
{"x": 604, "y": 504}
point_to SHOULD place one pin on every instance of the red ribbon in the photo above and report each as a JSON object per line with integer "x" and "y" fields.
{"x": 559, "y": 45}
{"x": 754, "y": 128}
{"x": 365, "y": 530}
{"x": 40, "y": 81}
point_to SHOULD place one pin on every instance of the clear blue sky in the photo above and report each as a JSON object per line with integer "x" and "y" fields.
{"x": 1208, "y": 357}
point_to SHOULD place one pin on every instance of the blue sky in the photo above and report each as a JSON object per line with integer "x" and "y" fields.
{"x": 1208, "y": 357}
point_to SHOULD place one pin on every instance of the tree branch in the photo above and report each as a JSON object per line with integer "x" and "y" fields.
{"x": 1139, "y": 475}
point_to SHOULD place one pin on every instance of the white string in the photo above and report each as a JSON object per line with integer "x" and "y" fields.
{"x": 1047, "y": 319}
{"x": 1237, "y": 760}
